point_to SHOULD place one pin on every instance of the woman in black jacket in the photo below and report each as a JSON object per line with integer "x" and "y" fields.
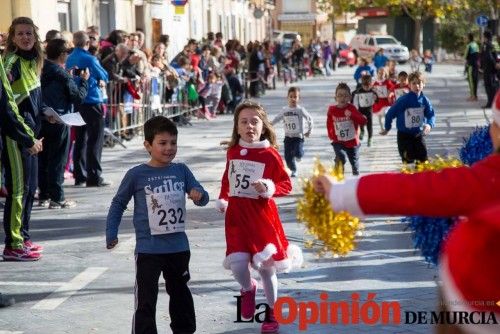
{"x": 60, "y": 92}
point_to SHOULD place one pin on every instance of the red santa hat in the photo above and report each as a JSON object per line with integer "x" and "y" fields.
{"x": 470, "y": 269}
{"x": 496, "y": 108}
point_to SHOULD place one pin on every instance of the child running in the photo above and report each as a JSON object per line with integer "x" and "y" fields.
{"x": 159, "y": 189}
{"x": 401, "y": 87}
{"x": 293, "y": 117}
{"x": 364, "y": 98}
{"x": 255, "y": 174}
{"x": 342, "y": 123}
{"x": 414, "y": 119}
{"x": 382, "y": 86}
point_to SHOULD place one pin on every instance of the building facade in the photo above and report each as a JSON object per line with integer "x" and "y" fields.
{"x": 301, "y": 16}
{"x": 244, "y": 20}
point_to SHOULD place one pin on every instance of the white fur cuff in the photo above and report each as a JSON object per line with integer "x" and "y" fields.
{"x": 344, "y": 197}
{"x": 264, "y": 255}
{"x": 221, "y": 204}
{"x": 271, "y": 188}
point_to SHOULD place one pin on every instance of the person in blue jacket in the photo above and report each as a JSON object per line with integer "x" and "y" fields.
{"x": 380, "y": 60}
{"x": 414, "y": 119}
{"x": 363, "y": 68}
{"x": 90, "y": 137}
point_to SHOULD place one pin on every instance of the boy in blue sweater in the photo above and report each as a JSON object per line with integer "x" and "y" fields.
{"x": 414, "y": 119}
{"x": 159, "y": 188}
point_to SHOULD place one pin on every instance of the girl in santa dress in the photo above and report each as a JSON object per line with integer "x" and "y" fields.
{"x": 383, "y": 87}
{"x": 255, "y": 174}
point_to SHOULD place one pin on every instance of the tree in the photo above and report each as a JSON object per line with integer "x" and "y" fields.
{"x": 418, "y": 10}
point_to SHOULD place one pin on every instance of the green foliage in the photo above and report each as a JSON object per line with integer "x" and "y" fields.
{"x": 452, "y": 31}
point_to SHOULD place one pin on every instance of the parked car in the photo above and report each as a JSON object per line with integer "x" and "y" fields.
{"x": 345, "y": 55}
{"x": 286, "y": 39}
{"x": 367, "y": 45}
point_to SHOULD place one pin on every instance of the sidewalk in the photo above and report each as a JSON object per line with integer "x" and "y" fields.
{"x": 80, "y": 287}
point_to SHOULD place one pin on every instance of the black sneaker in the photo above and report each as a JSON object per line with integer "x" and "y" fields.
{"x": 66, "y": 204}
{"x": 100, "y": 184}
{"x": 79, "y": 183}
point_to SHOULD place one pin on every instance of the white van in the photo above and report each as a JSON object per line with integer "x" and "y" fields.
{"x": 368, "y": 45}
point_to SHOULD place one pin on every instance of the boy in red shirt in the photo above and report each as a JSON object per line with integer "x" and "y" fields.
{"x": 342, "y": 122}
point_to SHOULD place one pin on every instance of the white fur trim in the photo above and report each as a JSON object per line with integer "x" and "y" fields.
{"x": 344, "y": 196}
{"x": 221, "y": 204}
{"x": 258, "y": 144}
{"x": 455, "y": 302}
{"x": 264, "y": 255}
{"x": 294, "y": 260}
{"x": 271, "y": 188}
{"x": 235, "y": 257}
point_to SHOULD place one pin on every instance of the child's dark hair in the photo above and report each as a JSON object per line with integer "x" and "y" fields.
{"x": 156, "y": 125}
{"x": 343, "y": 86}
{"x": 366, "y": 79}
{"x": 293, "y": 89}
{"x": 402, "y": 74}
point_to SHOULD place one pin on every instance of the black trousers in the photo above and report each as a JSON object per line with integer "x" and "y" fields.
{"x": 175, "y": 270}
{"x": 52, "y": 160}
{"x": 88, "y": 145}
{"x": 491, "y": 86}
{"x": 369, "y": 125}
{"x": 412, "y": 147}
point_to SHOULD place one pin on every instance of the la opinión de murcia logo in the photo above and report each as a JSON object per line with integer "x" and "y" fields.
{"x": 287, "y": 310}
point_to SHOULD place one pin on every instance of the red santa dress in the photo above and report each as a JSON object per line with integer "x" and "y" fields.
{"x": 252, "y": 224}
{"x": 382, "y": 89}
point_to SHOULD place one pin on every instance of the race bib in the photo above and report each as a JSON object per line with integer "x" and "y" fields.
{"x": 292, "y": 125}
{"x": 366, "y": 100}
{"x": 400, "y": 92}
{"x": 166, "y": 212}
{"x": 242, "y": 173}
{"x": 345, "y": 130}
{"x": 414, "y": 117}
{"x": 381, "y": 91}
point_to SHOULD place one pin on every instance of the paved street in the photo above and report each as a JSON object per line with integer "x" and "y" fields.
{"x": 80, "y": 287}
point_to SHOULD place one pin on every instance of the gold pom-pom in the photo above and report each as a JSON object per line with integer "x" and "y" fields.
{"x": 336, "y": 231}
{"x": 436, "y": 164}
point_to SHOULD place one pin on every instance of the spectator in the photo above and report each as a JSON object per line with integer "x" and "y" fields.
{"x": 236, "y": 89}
{"x": 60, "y": 92}
{"x": 488, "y": 66}
{"x": 415, "y": 61}
{"x": 218, "y": 42}
{"x": 50, "y": 35}
{"x": 327, "y": 57}
{"x": 115, "y": 37}
{"x": 23, "y": 64}
{"x": 472, "y": 66}
{"x": 380, "y": 60}
{"x": 89, "y": 138}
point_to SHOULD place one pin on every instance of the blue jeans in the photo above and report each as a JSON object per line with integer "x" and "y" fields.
{"x": 352, "y": 154}
{"x": 294, "y": 148}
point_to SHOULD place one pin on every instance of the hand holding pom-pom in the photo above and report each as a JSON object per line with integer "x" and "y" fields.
{"x": 336, "y": 230}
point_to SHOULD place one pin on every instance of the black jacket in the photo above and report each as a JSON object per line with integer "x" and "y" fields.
{"x": 59, "y": 90}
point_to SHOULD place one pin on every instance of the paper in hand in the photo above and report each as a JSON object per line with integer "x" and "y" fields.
{"x": 72, "y": 119}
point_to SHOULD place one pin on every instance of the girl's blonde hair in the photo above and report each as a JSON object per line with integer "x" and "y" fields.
{"x": 11, "y": 47}
{"x": 267, "y": 128}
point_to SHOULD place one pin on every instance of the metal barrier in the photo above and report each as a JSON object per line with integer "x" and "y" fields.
{"x": 130, "y": 105}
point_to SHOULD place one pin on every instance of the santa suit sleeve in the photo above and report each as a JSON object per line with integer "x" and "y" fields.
{"x": 280, "y": 176}
{"x": 450, "y": 192}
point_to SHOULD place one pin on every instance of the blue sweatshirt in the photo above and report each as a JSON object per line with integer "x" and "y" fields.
{"x": 411, "y": 113}
{"x": 359, "y": 72}
{"x": 159, "y": 207}
{"x": 83, "y": 59}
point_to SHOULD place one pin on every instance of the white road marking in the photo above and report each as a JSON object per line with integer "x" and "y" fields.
{"x": 9, "y": 332}
{"x": 18, "y": 283}
{"x": 125, "y": 247}
{"x": 59, "y": 296}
